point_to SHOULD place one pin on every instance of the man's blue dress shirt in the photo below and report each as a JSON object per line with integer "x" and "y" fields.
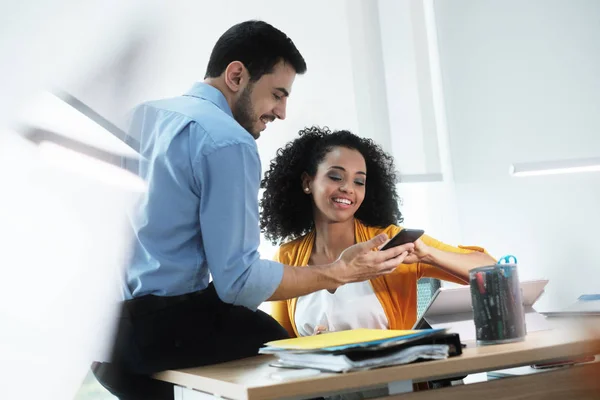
{"x": 200, "y": 214}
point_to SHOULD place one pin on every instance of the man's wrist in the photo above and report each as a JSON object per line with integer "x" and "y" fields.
{"x": 332, "y": 276}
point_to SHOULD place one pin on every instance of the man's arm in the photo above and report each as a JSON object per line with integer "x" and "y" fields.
{"x": 357, "y": 263}
{"x": 229, "y": 180}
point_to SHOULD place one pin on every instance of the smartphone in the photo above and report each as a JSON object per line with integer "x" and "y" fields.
{"x": 403, "y": 237}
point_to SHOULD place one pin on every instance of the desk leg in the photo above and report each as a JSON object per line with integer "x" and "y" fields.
{"x": 177, "y": 392}
{"x": 399, "y": 387}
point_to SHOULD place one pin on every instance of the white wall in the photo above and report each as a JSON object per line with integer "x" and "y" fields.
{"x": 174, "y": 56}
{"x": 515, "y": 82}
{"x": 414, "y": 99}
{"x": 177, "y": 54}
{"x": 521, "y": 83}
{"x": 409, "y": 86}
{"x": 366, "y": 72}
{"x": 369, "y": 70}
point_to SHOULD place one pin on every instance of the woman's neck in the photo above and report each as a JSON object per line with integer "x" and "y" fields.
{"x": 331, "y": 239}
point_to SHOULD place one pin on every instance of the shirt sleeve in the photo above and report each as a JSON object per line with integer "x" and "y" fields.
{"x": 229, "y": 179}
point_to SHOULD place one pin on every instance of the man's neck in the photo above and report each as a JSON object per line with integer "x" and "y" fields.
{"x": 221, "y": 87}
{"x": 332, "y": 239}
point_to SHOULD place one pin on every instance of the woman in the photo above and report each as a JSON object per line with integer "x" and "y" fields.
{"x": 326, "y": 191}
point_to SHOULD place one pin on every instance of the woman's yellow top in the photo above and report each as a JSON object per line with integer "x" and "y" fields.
{"x": 397, "y": 291}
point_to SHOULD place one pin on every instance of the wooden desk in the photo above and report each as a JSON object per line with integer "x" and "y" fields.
{"x": 250, "y": 379}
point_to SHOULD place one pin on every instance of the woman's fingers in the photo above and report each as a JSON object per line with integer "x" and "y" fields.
{"x": 319, "y": 329}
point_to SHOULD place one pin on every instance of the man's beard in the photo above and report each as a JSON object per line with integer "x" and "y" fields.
{"x": 243, "y": 112}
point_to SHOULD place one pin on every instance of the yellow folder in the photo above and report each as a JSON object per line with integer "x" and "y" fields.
{"x": 342, "y": 338}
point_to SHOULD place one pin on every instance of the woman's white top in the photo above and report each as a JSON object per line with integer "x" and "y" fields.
{"x": 352, "y": 306}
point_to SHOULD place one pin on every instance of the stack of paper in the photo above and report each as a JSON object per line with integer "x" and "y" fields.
{"x": 361, "y": 349}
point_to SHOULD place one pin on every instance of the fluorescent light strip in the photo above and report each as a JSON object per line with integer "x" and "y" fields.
{"x": 556, "y": 167}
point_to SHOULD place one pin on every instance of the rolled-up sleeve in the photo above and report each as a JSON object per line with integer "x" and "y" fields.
{"x": 229, "y": 180}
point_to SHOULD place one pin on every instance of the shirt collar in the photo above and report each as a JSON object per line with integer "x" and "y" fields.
{"x": 205, "y": 91}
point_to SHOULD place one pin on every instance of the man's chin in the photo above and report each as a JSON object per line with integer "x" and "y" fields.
{"x": 257, "y": 130}
{"x": 254, "y": 132}
{"x": 255, "y": 135}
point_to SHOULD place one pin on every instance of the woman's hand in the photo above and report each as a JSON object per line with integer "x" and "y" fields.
{"x": 420, "y": 252}
{"x": 319, "y": 329}
{"x": 454, "y": 263}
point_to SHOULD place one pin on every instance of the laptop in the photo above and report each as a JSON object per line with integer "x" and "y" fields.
{"x": 451, "y": 308}
{"x": 587, "y": 305}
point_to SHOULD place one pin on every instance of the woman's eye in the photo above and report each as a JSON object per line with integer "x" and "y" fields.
{"x": 359, "y": 183}
{"x": 276, "y": 97}
{"x": 335, "y": 178}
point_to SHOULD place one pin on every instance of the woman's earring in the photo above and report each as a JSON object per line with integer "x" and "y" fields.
{"x": 306, "y": 190}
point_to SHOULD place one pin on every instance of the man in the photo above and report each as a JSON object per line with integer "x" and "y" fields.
{"x": 200, "y": 217}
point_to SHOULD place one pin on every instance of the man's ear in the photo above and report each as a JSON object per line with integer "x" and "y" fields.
{"x": 236, "y": 76}
{"x": 306, "y": 181}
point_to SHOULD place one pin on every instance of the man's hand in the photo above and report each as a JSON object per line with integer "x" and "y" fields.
{"x": 356, "y": 264}
{"x": 359, "y": 263}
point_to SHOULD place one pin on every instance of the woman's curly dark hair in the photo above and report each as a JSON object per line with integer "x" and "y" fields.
{"x": 287, "y": 212}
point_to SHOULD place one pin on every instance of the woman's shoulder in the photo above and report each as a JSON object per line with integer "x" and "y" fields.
{"x": 292, "y": 244}
{"x": 289, "y": 251}
{"x": 390, "y": 230}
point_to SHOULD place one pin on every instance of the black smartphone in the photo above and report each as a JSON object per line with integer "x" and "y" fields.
{"x": 403, "y": 237}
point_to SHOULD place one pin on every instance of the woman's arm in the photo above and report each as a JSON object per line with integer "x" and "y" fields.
{"x": 453, "y": 261}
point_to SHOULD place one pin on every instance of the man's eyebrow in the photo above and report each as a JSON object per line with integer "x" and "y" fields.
{"x": 284, "y": 91}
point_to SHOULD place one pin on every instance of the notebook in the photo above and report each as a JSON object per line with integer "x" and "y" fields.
{"x": 350, "y": 339}
{"x": 362, "y": 349}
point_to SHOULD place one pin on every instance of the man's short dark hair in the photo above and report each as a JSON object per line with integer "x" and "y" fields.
{"x": 256, "y": 44}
